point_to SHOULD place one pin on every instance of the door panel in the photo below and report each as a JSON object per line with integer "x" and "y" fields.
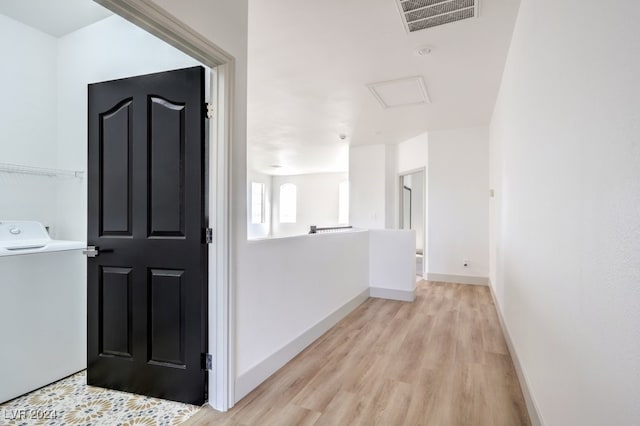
{"x": 115, "y": 312}
{"x": 166, "y": 317}
{"x": 166, "y": 145}
{"x": 147, "y": 289}
{"x": 115, "y": 169}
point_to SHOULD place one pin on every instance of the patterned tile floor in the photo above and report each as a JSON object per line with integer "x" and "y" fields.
{"x": 71, "y": 402}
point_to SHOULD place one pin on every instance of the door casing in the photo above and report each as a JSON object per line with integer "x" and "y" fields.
{"x": 155, "y": 20}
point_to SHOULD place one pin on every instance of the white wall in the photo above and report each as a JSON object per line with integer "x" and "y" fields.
{"x": 566, "y": 216}
{"x": 83, "y": 59}
{"x": 392, "y": 265}
{"x": 260, "y": 230}
{"x": 413, "y": 153}
{"x": 297, "y": 283}
{"x": 317, "y": 196}
{"x": 367, "y": 186}
{"x": 391, "y": 187}
{"x": 458, "y": 200}
{"x": 28, "y": 121}
{"x": 28, "y": 110}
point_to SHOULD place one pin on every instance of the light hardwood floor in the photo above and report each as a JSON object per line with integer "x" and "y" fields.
{"x": 441, "y": 360}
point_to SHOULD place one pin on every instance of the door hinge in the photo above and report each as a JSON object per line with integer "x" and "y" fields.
{"x": 207, "y": 362}
{"x": 210, "y": 110}
{"x": 208, "y": 236}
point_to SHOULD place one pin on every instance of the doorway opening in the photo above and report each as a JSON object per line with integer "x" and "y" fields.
{"x": 53, "y": 153}
{"x": 413, "y": 213}
{"x": 155, "y": 20}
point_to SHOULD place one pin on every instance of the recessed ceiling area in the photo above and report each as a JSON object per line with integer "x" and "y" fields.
{"x": 309, "y": 68}
{"x": 54, "y": 17}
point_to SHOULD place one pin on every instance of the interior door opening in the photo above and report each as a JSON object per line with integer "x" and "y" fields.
{"x": 158, "y": 22}
{"x": 47, "y": 180}
{"x": 413, "y": 213}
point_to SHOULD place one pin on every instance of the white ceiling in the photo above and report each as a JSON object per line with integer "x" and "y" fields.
{"x": 54, "y": 17}
{"x": 310, "y": 64}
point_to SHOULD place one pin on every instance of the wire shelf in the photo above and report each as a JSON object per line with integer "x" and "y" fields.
{"x": 39, "y": 171}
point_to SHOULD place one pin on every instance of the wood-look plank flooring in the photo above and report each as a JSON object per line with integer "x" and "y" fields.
{"x": 441, "y": 360}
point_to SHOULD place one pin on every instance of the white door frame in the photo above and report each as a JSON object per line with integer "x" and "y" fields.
{"x": 157, "y": 21}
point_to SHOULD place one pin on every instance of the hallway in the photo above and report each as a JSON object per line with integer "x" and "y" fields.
{"x": 439, "y": 361}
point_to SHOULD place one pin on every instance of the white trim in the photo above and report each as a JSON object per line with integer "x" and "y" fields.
{"x": 532, "y": 406}
{"x": 458, "y": 279}
{"x": 157, "y": 21}
{"x": 226, "y": 308}
{"x": 251, "y": 379}
{"x": 392, "y": 294}
{"x": 219, "y": 194}
{"x": 213, "y": 296}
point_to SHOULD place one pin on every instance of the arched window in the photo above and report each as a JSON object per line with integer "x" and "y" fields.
{"x": 343, "y": 203}
{"x": 288, "y": 203}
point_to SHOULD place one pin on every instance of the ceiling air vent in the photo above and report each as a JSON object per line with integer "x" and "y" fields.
{"x": 422, "y": 14}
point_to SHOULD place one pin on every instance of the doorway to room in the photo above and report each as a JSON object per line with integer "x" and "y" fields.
{"x": 413, "y": 212}
{"x": 45, "y": 178}
{"x": 155, "y": 20}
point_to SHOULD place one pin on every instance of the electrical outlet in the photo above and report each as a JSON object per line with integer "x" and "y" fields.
{"x": 466, "y": 263}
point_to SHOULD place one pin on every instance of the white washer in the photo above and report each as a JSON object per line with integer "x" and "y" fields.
{"x": 43, "y": 309}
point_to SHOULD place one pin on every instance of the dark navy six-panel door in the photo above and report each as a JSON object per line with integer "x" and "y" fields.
{"x": 147, "y": 288}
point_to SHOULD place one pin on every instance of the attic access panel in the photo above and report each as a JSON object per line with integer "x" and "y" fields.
{"x": 401, "y": 92}
{"x": 422, "y": 14}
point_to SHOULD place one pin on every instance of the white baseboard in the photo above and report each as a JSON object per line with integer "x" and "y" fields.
{"x": 387, "y": 293}
{"x": 458, "y": 279}
{"x": 251, "y": 379}
{"x": 532, "y": 407}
